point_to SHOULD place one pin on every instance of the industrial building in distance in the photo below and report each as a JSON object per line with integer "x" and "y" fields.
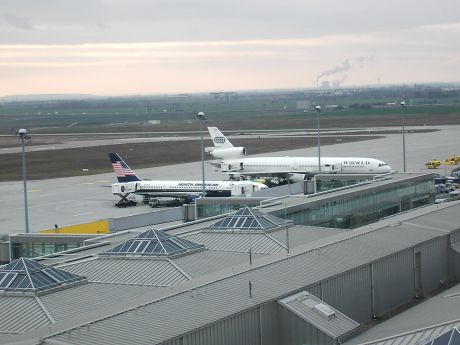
{"x": 323, "y": 269}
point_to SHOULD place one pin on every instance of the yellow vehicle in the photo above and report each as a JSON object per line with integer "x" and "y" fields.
{"x": 452, "y": 160}
{"x": 433, "y": 164}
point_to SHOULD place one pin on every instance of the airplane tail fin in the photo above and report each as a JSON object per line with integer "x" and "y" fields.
{"x": 218, "y": 139}
{"x": 122, "y": 170}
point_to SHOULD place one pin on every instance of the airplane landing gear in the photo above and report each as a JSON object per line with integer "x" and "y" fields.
{"x": 124, "y": 202}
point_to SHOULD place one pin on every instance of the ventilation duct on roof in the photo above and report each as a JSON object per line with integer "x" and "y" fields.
{"x": 319, "y": 314}
{"x": 324, "y": 310}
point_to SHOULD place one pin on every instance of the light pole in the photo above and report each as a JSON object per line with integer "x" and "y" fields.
{"x": 403, "y": 106}
{"x": 318, "y": 110}
{"x": 22, "y": 133}
{"x": 201, "y": 117}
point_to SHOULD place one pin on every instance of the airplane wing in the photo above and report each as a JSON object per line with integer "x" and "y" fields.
{"x": 214, "y": 163}
{"x": 263, "y": 173}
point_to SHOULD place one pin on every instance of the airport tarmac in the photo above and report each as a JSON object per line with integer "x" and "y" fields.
{"x": 74, "y": 200}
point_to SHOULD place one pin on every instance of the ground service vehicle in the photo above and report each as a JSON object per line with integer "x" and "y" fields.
{"x": 162, "y": 202}
{"x": 433, "y": 164}
{"x": 453, "y": 160}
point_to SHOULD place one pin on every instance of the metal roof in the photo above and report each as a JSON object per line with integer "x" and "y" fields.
{"x": 155, "y": 321}
{"x": 445, "y": 220}
{"x": 451, "y": 337}
{"x": 417, "y": 337}
{"x": 226, "y": 251}
{"x": 154, "y": 243}
{"x": 82, "y": 299}
{"x": 301, "y": 234}
{"x": 456, "y": 247}
{"x": 209, "y": 261}
{"x": 21, "y": 314}
{"x": 238, "y": 242}
{"x": 319, "y": 314}
{"x": 24, "y": 275}
{"x": 163, "y": 313}
{"x": 417, "y": 325}
{"x": 249, "y": 219}
{"x": 261, "y": 243}
{"x": 160, "y": 272}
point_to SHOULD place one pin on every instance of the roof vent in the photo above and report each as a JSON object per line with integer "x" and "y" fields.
{"x": 319, "y": 314}
{"x": 324, "y": 310}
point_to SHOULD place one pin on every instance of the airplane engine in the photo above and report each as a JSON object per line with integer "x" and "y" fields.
{"x": 297, "y": 178}
{"x": 227, "y": 153}
{"x": 190, "y": 199}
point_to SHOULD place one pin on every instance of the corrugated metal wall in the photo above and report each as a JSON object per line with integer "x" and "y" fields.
{"x": 295, "y": 331}
{"x": 454, "y": 264}
{"x": 177, "y": 341}
{"x": 454, "y": 256}
{"x": 4, "y": 252}
{"x": 259, "y": 325}
{"x": 243, "y": 329}
{"x": 434, "y": 263}
{"x": 350, "y": 293}
{"x": 315, "y": 290}
{"x": 393, "y": 281}
{"x": 455, "y": 237}
{"x": 270, "y": 319}
{"x": 360, "y": 293}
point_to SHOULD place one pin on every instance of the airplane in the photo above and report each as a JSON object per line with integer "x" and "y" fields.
{"x": 294, "y": 168}
{"x": 223, "y": 148}
{"x": 129, "y": 185}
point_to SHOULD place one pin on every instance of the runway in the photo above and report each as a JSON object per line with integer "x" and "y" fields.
{"x": 88, "y": 139}
{"x": 68, "y": 201}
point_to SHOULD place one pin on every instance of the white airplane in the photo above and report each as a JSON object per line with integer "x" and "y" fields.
{"x": 292, "y": 167}
{"x": 222, "y": 147}
{"x": 185, "y": 191}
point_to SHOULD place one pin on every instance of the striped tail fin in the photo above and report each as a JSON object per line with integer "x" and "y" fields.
{"x": 122, "y": 170}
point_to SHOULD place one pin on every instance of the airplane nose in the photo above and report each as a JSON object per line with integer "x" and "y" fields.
{"x": 387, "y": 168}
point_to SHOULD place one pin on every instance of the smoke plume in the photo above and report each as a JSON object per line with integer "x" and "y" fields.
{"x": 344, "y": 67}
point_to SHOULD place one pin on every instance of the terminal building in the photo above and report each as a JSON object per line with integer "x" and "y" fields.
{"x": 345, "y": 207}
{"x": 294, "y": 270}
{"x": 348, "y": 206}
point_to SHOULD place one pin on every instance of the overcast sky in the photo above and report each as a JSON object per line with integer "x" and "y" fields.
{"x": 109, "y": 47}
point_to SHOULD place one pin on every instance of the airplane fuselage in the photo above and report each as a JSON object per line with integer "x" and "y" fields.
{"x": 295, "y": 165}
{"x": 185, "y": 188}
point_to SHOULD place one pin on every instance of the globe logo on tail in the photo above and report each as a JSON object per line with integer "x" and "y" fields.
{"x": 219, "y": 140}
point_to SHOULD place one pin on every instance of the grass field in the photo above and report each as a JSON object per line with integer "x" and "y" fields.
{"x": 57, "y": 122}
{"x": 441, "y": 115}
{"x": 71, "y": 162}
{"x": 275, "y": 110}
